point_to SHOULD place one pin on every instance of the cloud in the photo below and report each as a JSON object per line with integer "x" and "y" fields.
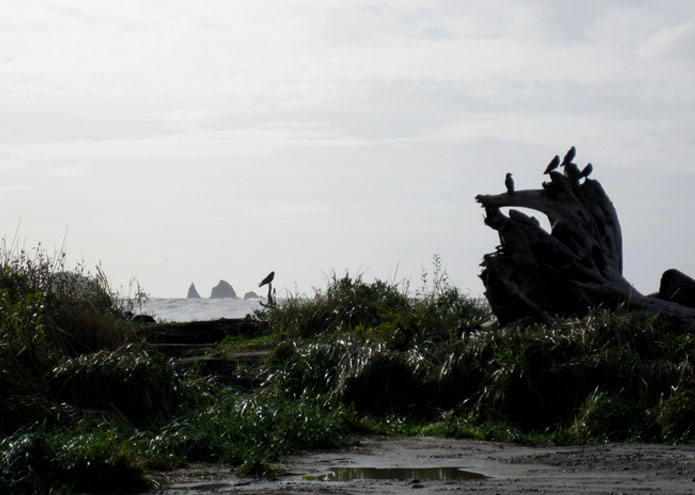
{"x": 371, "y": 119}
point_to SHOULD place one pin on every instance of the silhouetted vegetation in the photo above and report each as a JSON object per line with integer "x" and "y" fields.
{"x": 603, "y": 377}
{"x": 86, "y": 403}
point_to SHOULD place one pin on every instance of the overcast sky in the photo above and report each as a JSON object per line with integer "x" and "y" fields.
{"x": 181, "y": 141}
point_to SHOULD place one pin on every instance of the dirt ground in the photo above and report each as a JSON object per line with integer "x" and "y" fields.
{"x": 510, "y": 469}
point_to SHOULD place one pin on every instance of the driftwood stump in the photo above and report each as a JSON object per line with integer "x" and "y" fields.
{"x": 538, "y": 275}
{"x": 270, "y": 297}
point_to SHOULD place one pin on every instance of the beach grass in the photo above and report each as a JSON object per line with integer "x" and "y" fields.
{"x": 86, "y": 402}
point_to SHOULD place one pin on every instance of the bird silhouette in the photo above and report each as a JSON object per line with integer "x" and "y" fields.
{"x": 268, "y": 279}
{"x": 509, "y": 182}
{"x": 572, "y": 171}
{"x": 586, "y": 171}
{"x": 571, "y": 153}
{"x": 554, "y": 163}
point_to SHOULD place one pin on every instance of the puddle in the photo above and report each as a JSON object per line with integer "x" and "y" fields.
{"x": 375, "y": 473}
{"x": 202, "y": 487}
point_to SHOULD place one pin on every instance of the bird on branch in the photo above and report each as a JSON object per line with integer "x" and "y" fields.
{"x": 554, "y": 163}
{"x": 268, "y": 279}
{"x": 572, "y": 172}
{"x": 571, "y": 153}
{"x": 586, "y": 171}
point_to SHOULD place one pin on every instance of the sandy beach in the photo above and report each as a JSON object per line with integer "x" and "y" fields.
{"x": 508, "y": 469}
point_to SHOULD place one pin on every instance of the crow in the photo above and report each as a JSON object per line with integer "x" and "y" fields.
{"x": 572, "y": 171}
{"x": 571, "y": 153}
{"x": 268, "y": 279}
{"x": 586, "y": 171}
{"x": 554, "y": 163}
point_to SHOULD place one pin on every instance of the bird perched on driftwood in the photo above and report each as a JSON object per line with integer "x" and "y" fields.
{"x": 554, "y": 163}
{"x": 586, "y": 171}
{"x": 268, "y": 278}
{"x": 571, "y": 153}
{"x": 572, "y": 171}
{"x": 509, "y": 183}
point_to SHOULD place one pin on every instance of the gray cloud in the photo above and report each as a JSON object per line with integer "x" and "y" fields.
{"x": 346, "y": 119}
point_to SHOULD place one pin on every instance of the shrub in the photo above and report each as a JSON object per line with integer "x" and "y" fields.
{"x": 142, "y": 387}
{"x": 49, "y": 315}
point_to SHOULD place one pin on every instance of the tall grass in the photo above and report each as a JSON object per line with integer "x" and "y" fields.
{"x": 380, "y": 311}
{"x": 606, "y": 376}
{"x": 69, "y": 359}
{"x": 51, "y": 318}
{"x": 85, "y": 403}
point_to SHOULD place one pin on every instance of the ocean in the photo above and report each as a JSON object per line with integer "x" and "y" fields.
{"x": 181, "y": 309}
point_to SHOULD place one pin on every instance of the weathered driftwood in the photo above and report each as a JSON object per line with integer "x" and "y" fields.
{"x": 677, "y": 287}
{"x": 538, "y": 275}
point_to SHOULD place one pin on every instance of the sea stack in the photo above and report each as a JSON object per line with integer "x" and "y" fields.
{"x": 223, "y": 289}
{"x": 192, "y": 292}
{"x": 251, "y": 295}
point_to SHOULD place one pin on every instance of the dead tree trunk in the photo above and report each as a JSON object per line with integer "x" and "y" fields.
{"x": 537, "y": 275}
{"x": 271, "y": 297}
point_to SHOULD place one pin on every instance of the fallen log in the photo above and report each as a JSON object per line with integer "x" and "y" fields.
{"x": 200, "y": 332}
{"x": 538, "y": 275}
{"x": 677, "y": 287}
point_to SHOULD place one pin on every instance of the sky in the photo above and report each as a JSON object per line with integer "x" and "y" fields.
{"x": 172, "y": 142}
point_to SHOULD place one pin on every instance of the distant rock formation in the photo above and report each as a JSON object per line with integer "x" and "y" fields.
{"x": 192, "y": 292}
{"x": 223, "y": 289}
{"x": 251, "y": 295}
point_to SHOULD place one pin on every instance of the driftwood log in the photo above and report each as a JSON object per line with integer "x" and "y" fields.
{"x": 537, "y": 275}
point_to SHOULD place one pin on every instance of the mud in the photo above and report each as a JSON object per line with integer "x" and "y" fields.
{"x": 509, "y": 469}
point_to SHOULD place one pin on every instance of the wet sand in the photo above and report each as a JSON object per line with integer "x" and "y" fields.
{"x": 510, "y": 469}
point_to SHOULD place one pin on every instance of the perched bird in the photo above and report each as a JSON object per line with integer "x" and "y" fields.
{"x": 571, "y": 153}
{"x": 572, "y": 171}
{"x": 268, "y": 278}
{"x": 586, "y": 171}
{"x": 554, "y": 163}
{"x": 509, "y": 182}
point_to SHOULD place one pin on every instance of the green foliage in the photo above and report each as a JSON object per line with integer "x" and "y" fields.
{"x": 605, "y": 416}
{"x": 674, "y": 414}
{"x": 249, "y": 431}
{"x": 51, "y": 318}
{"x": 39, "y": 461}
{"x": 603, "y": 377}
{"x": 85, "y": 405}
{"x": 142, "y": 387}
{"x": 63, "y": 352}
{"x": 345, "y": 305}
{"x": 75, "y": 311}
{"x": 380, "y": 311}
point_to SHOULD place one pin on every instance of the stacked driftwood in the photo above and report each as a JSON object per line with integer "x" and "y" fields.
{"x": 578, "y": 265}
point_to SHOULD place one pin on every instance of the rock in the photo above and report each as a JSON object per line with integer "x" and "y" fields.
{"x": 192, "y": 292}
{"x": 223, "y": 289}
{"x": 251, "y": 295}
{"x": 144, "y": 319}
{"x": 676, "y": 286}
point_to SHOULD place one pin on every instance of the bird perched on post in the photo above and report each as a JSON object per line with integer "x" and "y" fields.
{"x": 554, "y": 163}
{"x": 586, "y": 171}
{"x": 571, "y": 153}
{"x": 509, "y": 182}
{"x": 268, "y": 279}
